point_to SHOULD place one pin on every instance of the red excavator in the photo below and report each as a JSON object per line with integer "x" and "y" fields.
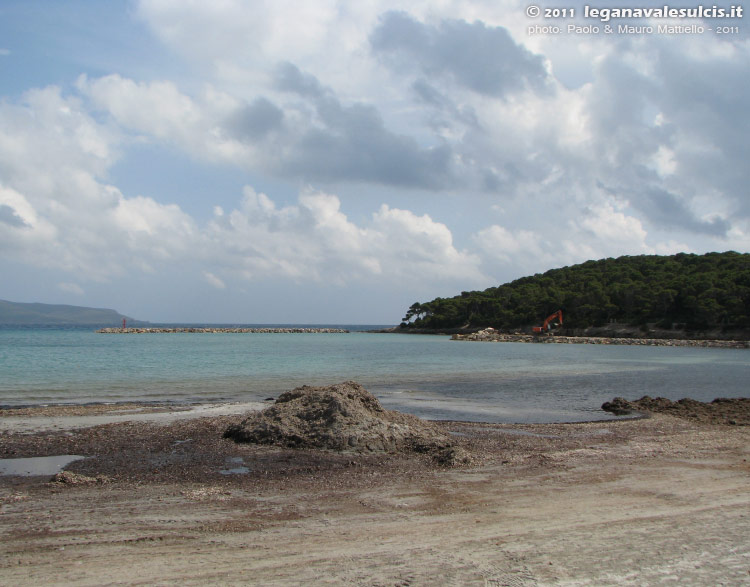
{"x": 549, "y": 323}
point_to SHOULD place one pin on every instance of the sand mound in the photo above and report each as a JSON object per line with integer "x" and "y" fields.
{"x": 734, "y": 411}
{"x": 342, "y": 417}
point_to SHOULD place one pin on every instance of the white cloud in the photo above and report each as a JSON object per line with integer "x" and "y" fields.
{"x": 73, "y": 288}
{"x": 19, "y": 212}
{"x": 48, "y": 140}
{"x": 156, "y": 108}
{"x": 213, "y": 280}
{"x": 513, "y": 246}
{"x": 537, "y": 145}
{"x": 60, "y": 213}
{"x": 159, "y": 111}
{"x": 664, "y": 161}
{"x": 600, "y": 229}
{"x": 314, "y": 240}
{"x": 417, "y": 247}
{"x": 24, "y": 235}
{"x": 607, "y": 222}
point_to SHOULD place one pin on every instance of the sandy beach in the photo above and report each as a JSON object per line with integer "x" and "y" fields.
{"x": 162, "y": 498}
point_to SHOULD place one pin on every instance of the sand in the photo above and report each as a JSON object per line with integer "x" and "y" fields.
{"x": 641, "y": 502}
{"x": 71, "y": 417}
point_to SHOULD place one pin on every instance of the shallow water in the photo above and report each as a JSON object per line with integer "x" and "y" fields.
{"x": 28, "y": 467}
{"x": 430, "y": 376}
{"x": 237, "y": 465}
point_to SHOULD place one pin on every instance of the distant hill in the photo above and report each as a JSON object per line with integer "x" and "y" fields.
{"x": 693, "y": 293}
{"x": 20, "y": 313}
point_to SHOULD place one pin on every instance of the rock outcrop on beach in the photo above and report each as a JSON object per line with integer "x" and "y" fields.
{"x": 730, "y": 411}
{"x": 342, "y": 417}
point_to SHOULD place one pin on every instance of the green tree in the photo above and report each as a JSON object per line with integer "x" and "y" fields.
{"x": 703, "y": 291}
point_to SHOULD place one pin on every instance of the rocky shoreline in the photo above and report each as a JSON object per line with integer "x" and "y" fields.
{"x": 725, "y": 411}
{"x": 223, "y": 330}
{"x": 492, "y": 335}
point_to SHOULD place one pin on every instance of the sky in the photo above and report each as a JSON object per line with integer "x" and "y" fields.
{"x": 335, "y": 161}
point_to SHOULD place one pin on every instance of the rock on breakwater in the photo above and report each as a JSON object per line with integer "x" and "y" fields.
{"x": 222, "y": 330}
{"x": 492, "y": 335}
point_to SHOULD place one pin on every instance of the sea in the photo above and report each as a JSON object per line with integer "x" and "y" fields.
{"x": 430, "y": 376}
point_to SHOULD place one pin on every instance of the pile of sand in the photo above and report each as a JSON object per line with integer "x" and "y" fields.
{"x": 733, "y": 411}
{"x": 342, "y": 417}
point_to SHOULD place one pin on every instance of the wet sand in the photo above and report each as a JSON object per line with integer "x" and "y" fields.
{"x": 71, "y": 417}
{"x": 662, "y": 500}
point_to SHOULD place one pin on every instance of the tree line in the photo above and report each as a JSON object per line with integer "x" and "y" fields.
{"x": 691, "y": 292}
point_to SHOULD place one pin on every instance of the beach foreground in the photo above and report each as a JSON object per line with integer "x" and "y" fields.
{"x": 661, "y": 500}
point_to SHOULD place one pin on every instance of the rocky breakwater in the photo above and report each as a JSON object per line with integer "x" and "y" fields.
{"x": 346, "y": 418}
{"x": 492, "y": 335}
{"x": 222, "y": 330}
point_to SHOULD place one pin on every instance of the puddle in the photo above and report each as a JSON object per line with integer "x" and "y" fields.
{"x": 36, "y": 465}
{"x": 235, "y": 471}
{"x": 241, "y": 470}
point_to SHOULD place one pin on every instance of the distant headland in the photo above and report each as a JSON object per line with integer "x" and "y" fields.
{"x": 16, "y": 313}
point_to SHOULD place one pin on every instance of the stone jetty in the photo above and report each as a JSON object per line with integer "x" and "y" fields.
{"x": 212, "y": 330}
{"x": 492, "y": 335}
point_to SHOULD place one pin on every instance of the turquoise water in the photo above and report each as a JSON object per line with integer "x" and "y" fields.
{"x": 430, "y": 376}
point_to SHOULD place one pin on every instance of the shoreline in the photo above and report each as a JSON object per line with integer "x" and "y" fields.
{"x": 605, "y": 503}
{"x": 491, "y": 335}
{"x": 33, "y": 419}
{"x": 66, "y": 417}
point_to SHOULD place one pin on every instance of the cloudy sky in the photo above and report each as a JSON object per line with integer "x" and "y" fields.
{"x": 335, "y": 161}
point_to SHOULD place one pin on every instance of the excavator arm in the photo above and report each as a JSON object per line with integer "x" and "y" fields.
{"x": 546, "y": 325}
{"x": 549, "y": 319}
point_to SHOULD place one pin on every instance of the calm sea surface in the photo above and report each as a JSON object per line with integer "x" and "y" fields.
{"x": 430, "y": 376}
